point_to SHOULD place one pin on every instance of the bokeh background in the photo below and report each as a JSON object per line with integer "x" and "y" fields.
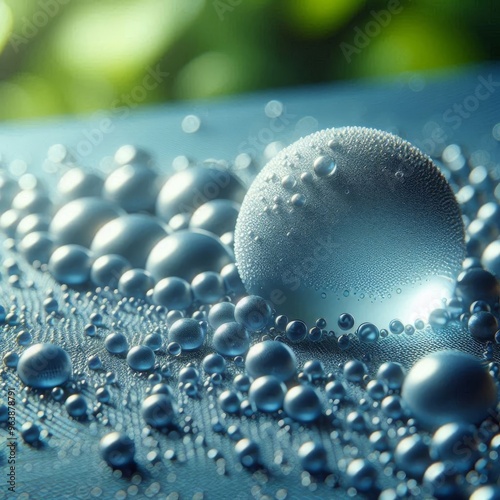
{"x": 78, "y": 56}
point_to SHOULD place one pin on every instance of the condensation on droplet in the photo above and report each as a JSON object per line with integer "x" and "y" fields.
{"x": 298, "y": 200}
{"x": 288, "y": 182}
{"x": 365, "y": 231}
{"x": 324, "y": 166}
{"x": 306, "y": 177}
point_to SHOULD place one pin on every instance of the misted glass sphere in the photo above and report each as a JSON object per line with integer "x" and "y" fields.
{"x": 376, "y": 229}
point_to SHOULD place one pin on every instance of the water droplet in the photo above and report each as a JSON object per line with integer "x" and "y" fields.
{"x": 288, "y": 182}
{"x": 117, "y": 450}
{"x": 141, "y": 358}
{"x": 298, "y": 200}
{"x": 427, "y": 393}
{"x": 313, "y": 457}
{"x": 267, "y": 393}
{"x": 327, "y": 252}
{"x": 44, "y": 366}
{"x": 253, "y": 312}
{"x": 116, "y": 343}
{"x": 271, "y": 358}
{"x": 174, "y": 348}
{"x": 302, "y": 403}
{"x": 76, "y": 406}
{"x": 158, "y": 410}
{"x": 188, "y": 333}
{"x": 367, "y": 332}
{"x": 324, "y": 166}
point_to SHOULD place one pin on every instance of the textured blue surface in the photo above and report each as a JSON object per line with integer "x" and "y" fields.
{"x": 68, "y": 464}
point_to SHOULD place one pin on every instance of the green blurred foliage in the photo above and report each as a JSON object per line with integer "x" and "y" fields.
{"x": 77, "y": 56}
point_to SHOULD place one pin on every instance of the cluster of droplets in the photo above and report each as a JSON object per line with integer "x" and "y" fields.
{"x": 88, "y": 231}
{"x": 203, "y": 338}
{"x": 270, "y": 381}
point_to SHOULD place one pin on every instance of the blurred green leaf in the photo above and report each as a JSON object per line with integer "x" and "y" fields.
{"x": 117, "y": 40}
{"x": 210, "y": 74}
{"x": 413, "y": 41}
{"x": 315, "y": 18}
{"x": 81, "y": 56}
{"x": 6, "y": 24}
{"x": 28, "y": 96}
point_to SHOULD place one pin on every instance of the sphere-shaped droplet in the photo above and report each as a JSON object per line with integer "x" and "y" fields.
{"x": 482, "y": 326}
{"x": 107, "y": 270}
{"x": 229, "y": 401}
{"x": 221, "y": 313}
{"x": 412, "y": 456}
{"x": 392, "y": 373}
{"x": 324, "y": 166}
{"x": 408, "y": 218}
{"x": 158, "y": 410}
{"x": 248, "y": 452}
{"x": 79, "y": 183}
{"x": 187, "y": 253}
{"x": 253, "y": 312}
{"x": 37, "y": 246}
{"x": 302, "y": 403}
{"x": 78, "y": 221}
{"x": 44, "y": 366}
{"x": 188, "y": 189}
{"x": 216, "y": 216}
{"x": 267, "y": 393}
{"x": 173, "y": 293}
{"x": 132, "y": 236}
{"x": 457, "y": 445}
{"x": 449, "y": 386}
{"x": 214, "y": 363}
{"x": 70, "y": 264}
{"x": 135, "y": 283}
{"x": 271, "y": 358}
{"x": 116, "y": 343}
{"x": 133, "y": 187}
{"x": 313, "y": 457}
{"x": 231, "y": 339}
{"x": 355, "y": 370}
{"x": 368, "y": 332}
{"x": 361, "y": 474}
{"x": 208, "y": 287}
{"x": 30, "y": 432}
{"x": 296, "y": 331}
{"x": 76, "y": 406}
{"x": 141, "y": 358}
{"x": 117, "y": 449}
{"x": 188, "y": 333}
